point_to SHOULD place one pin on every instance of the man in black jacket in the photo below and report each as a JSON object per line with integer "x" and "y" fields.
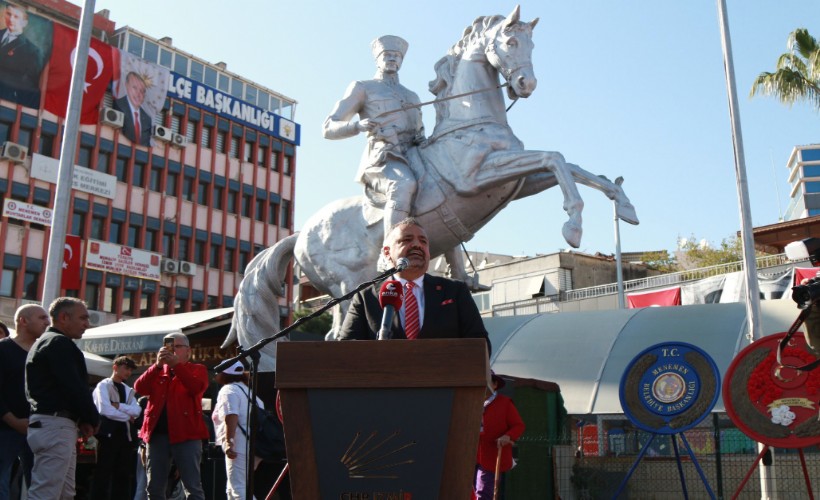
{"x": 439, "y": 307}
{"x": 57, "y": 390}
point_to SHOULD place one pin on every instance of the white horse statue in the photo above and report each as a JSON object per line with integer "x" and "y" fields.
{"x": 469, "y": 169}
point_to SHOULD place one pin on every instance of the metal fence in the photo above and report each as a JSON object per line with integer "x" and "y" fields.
{"x": 587, "y": 467}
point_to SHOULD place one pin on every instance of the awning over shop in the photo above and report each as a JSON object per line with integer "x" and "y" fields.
{"x": 97, "y": 365}
{"x": 586, "y": 353}
{"x": 145, "y": 334}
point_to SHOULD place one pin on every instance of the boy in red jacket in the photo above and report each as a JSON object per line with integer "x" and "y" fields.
{"x": 501, "y": 425}
{"x": 173, "y": 424}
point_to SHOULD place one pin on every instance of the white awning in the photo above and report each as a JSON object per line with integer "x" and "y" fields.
{"x": 586, "y": 353}
{"x": 97, "y": 365}
{"x": 145, "y": 334}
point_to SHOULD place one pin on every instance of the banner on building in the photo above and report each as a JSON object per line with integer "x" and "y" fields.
{"x": 140, "y": 88}
{"x": 72, "y": 263}
{"x": 25, "y": 47}
{"x": 84, "y": 179}
{"x": 123, "y": 260}
{"x": 660, "y": 298}
{"x": 98, "y": 73}
{"x": 27, "y": 212}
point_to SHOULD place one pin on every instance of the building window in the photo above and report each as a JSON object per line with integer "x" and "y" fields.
{"x": 31, "y": 285}
{"x": 110, "y": 299}
{"x": 138, "y": 174}
{"x": 232, "y": 200}
{"x": 261, "y": 154}
{"x": 103, "y": 158}
{"x": 205, "y": 137}
{"x": 199, "y": 252}
{"x": 128, "y": 302}
{"x": 272, "y": 215}
{"x": 171, "y": 183}
{"x": 202, "y": 192}
{"x": 167, "y": 245}
{"x": 146, "y": 304}
{"x": 247, "y": 200}
{"x": 164, "y": 300}
{"x": 274, "y": 161}
{"x": 213, "y": 301}
{"x": 122, "y": 169}
{"x": 7, "y": 282}
{"x": 234, "y": 151}
{"x": 247, "y": 150}
{"x": 286, "y": 165}
{"x": 285, "y": 212}
{"x": 213, "y": 258}
{"x": 46, "y": 144}
{"x": 216, "y": 201}
{"x": 24, "y": 136}
{"x": 184, "y": 245}
{"x": 133, "y": 236}
{"x": 244, "y": 258}
{"x": 84, "y": 156}
{"x": 150, "y": 239}
{"x": 92, "y": 294}
{"x": 260, "y": 209}
{"x": 5, "y": 131}
{"x": 78, "y": 224}
{"x": 114, "y": 231}
{"x": 97, "y": 228}
{"x": 196, "y": 305}
{"x": 221, "y": 141}
{"x": 228, "y": 264}
{"x": 197, "y": 71}
{"x": 155, "y": 181}
{"x": 188, "y": 188}
{"x": 190, "y": 132}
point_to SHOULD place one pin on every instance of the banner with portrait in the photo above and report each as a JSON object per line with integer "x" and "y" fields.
{"x": 139, "y": 89}
{"x": 25, "y": 47}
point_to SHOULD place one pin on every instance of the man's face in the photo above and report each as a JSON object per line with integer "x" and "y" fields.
{"x": 16, "y": 19}
{"x": 182, "y": 351}
{"x": 74, "y": 321}
{"x": 135, "y": 89}
{"x": 409, "y": 241}
{"x": 123, "y": 372}
{"x": 36, "y": 322}
{"x": 389, "y": 61}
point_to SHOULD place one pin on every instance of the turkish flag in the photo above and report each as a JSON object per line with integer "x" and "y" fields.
{"x": 71, "y": 263}
{"x": 668, "y": 297}
{"x": 97, "y": 74}
{"x": 805, "y": 273}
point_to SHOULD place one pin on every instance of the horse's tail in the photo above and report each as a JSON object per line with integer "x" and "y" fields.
{"x": 256, "y": 311}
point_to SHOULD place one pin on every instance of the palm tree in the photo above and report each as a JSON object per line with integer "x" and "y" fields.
{"x": 798, "y": 72}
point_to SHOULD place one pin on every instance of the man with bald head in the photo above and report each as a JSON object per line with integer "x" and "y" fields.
{"x": 30, "y": 321}
{"x": 61, "y": 404}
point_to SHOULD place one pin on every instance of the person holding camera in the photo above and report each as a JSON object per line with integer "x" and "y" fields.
{"x": 173, "y": 425}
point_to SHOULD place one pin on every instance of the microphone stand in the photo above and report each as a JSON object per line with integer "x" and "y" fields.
{"x": 253, "y": 353}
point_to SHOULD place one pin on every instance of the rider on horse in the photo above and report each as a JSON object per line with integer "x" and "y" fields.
{"x": 388, "y": 113}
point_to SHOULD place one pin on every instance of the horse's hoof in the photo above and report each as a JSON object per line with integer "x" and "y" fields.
{"x": 627, "y": 214}
{"x": 572, "y": 233}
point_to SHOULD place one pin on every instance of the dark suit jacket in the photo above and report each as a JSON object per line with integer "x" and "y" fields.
{"x": 449, "y": 312}
{"x": 20, "y": 68}
{"x": 128, "y": 125}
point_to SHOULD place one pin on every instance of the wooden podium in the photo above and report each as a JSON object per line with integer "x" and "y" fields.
{"x": 382, "y": 419}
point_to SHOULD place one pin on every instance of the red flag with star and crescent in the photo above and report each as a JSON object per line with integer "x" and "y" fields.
{"x": 97, "y": 74}
{"x": 71, "y": 263}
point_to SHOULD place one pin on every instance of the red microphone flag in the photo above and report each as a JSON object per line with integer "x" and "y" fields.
{"x": 391, "y": 294}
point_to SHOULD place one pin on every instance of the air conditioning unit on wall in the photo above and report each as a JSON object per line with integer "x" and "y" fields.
{"x": 178, "y": 140}
{"x": 188, "y": 268}
{"x": 170, "y": 266}
{"x": 13, "y": 152}
{"x": 113, "y": 117}
{"x": 162, "y": 133}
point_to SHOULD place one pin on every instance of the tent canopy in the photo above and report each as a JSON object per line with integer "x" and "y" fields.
{"x": 145, "y": 334}
{"x": 586, "y": 353}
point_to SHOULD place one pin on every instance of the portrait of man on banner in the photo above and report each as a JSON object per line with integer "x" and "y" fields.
{"x": 25, "y": 46}
{"x": 139, "y": 89}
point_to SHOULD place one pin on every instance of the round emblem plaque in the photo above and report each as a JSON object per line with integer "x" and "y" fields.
{"x": 772, "y": 403}
{"x": 669, "y": 388}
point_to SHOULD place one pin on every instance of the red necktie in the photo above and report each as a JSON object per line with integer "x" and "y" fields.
{"x": 137, "y": 127}
{"x": 411, "y": 312}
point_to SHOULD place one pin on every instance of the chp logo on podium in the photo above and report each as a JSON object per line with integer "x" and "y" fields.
{"x": 669, "y": 388}
{"x": 772, "y": 402}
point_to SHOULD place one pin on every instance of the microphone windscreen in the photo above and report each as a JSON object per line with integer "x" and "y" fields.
{"x": 402, "y": 263}
{"x": 391, "y": 294}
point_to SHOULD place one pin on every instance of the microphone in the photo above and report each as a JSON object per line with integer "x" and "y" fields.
{"x": 402, "y": 263}
{"x": 390, "y": 297}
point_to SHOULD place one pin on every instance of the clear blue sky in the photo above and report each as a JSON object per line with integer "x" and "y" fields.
{"x": 624, "y": 88}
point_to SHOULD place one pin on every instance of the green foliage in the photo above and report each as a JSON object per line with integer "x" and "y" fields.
{"x": 319, "y": 325}
{"x": 693, "y": 254}
{"x": 797, "y": 73}
{"x": 660, "y": 261}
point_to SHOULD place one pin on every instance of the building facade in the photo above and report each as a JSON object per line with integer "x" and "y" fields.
{"x": 804, "y": 182}
{"x": 213, "y": 187}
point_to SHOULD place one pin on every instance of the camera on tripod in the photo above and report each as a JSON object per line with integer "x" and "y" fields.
{"x": 806, "y": 294}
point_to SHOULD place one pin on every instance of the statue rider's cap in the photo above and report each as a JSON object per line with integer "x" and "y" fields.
{"x": 388, "y": 42}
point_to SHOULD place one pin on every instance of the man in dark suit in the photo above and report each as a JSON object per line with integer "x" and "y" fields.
{"x": 20, "y": 60}
{"x": 432, "y": 308}
{"x": 137, "y": 125}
